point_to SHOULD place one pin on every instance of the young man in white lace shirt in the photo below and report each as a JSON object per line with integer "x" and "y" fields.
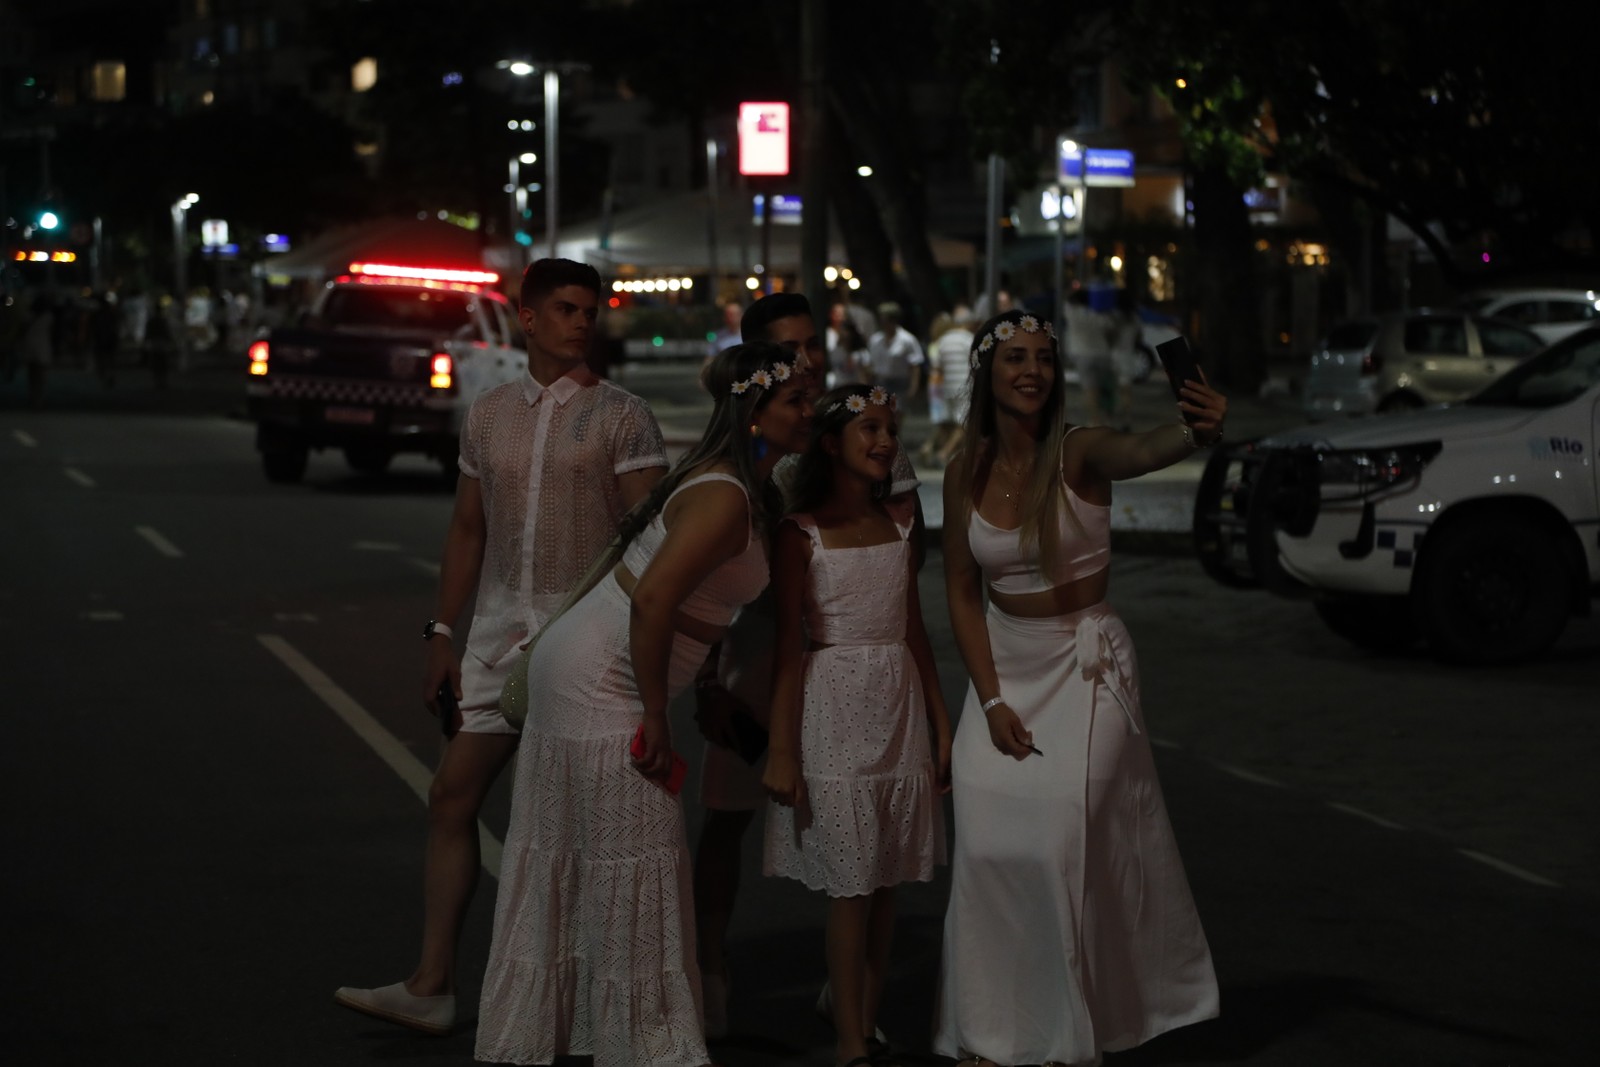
{"x": 549, "y": 465}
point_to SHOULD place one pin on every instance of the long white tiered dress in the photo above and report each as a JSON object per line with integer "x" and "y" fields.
{"x": 594, "y": 945}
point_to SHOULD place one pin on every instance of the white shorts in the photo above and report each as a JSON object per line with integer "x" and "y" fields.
{"x": 480, "y": 693}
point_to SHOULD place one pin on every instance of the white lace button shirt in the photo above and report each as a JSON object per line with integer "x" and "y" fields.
{"x": 547, "y": 460}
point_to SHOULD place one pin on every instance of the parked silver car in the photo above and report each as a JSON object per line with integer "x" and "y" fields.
{"x": 1408, "y": 360}
{"x": 1550, "y": 313}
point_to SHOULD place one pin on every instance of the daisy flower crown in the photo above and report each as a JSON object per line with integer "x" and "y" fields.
{"x": 856, "y": 403}
{"x": 1005, "y": 331}
{"x": 765, "y": 378}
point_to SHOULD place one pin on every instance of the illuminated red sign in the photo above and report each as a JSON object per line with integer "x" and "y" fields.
{"x": 763, "y": 139}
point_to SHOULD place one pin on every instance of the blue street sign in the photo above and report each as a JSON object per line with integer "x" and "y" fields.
{"x": 785, "y": 209}
{"x": 1096, "y": 167}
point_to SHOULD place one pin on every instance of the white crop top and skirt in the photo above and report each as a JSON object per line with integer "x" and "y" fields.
{"x": 594, "y": 944}
{"x": 1071, "y": 929}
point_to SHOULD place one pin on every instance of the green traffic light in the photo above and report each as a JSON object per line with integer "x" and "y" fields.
{"x": 48, "y": 220}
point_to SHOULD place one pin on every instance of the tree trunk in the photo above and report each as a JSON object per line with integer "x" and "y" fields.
{"x": 1229, "y": 328}
{"x": 896, "y": 190}
{"x": 871, "y": 254}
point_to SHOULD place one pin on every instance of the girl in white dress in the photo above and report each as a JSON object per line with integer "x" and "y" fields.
{"x": 593, "y": 951}
{"x": 1070, "y": 929}
{"x": 860, "y": 741}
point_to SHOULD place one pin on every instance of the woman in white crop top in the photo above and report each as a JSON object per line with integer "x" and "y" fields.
{"x": 593, "y": 951}
{"x": 1061, "y": 831}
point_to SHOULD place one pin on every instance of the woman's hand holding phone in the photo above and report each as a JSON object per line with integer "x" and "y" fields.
{"x": 651, "y": 751}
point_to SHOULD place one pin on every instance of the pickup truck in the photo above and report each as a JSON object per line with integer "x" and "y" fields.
{"x": 1471, "y": 527}
{"x": 387, "y": 360}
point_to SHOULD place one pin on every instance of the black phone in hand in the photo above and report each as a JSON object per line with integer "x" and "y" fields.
{"x": 449, "y": 711}
{"x": 749, "y": 737}
{"x": 1178, "y": 359}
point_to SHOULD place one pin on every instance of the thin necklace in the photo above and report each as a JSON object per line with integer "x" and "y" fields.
{"x": 1015, "y": 489}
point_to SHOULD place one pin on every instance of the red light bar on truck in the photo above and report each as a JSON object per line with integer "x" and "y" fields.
{"x": 432, "y": 274}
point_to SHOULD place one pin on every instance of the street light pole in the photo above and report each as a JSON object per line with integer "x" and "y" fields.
{"x": 513, "y": 187}
{"x": 711, "y": 216}
{"x": 552, "y": 167}
{"x": 1063, "y": 147}
{"x": 991, "y": 266}
{"x": 180, "y": 294}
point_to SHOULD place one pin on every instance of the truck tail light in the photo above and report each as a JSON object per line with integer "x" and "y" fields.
{"x": 258, "y": 358}
{"x": 443, "y": 371}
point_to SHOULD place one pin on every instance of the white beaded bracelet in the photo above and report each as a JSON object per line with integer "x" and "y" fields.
{"x": 992, "y": 702}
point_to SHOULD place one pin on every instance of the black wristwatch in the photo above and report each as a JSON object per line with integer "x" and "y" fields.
{"x": 430, "y": 628}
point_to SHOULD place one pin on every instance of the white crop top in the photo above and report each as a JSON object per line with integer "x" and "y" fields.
{"x": 1084, "y": 548}
{"x": 735, "y": 583}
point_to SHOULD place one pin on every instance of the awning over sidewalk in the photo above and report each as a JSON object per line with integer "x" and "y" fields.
{"x": 409, "y": 241}
{"x": 673, "y": 236}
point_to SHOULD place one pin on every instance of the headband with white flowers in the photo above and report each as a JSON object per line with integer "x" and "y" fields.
{"x": 1006, "y": 330}
{"x": 765, "y": 377}
{"x": 856, "y": 403}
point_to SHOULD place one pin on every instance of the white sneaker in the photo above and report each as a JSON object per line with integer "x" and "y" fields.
{"x": 393, "y": 1003}
{"x": 714, "y": 990}
{"x": 825, "y": 1012}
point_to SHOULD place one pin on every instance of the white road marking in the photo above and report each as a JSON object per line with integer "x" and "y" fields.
{"x": 424, "y": 564}
{"x": 78, "y": 476}
{"x": 158, "y": 542}
{"x": 1248, "y": 776}
{"x": 1506, "y": 868}
{"x": 1377, "y": 820}
{"x": 375, "y": 546}
{"x": 101, "y": 616}
{"x": 293, "y": 616}
{"x": 1162, "y": 742}
{"x": 25, "y": 438}
{"x": 381, "y": 741}
{"x": 1367, "y": 815}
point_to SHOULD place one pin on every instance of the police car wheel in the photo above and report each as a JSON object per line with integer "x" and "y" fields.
{"x": 366, "y": 459}
{"x": 284, "y": 465}
{"x": 450, "y": 465}
{"x": 1381, "y": 624}
{"x": 1491, "y": 589}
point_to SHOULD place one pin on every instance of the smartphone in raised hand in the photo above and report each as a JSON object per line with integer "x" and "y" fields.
{"x": 1179, "y": 361}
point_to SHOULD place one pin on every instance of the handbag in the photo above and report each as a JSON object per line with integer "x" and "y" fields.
{"x": 514, "y": 694}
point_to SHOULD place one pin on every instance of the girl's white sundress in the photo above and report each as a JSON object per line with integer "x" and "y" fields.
{"x": 873, "y": 816}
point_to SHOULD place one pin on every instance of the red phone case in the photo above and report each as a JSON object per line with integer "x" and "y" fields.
{"x": 680, "y": 766}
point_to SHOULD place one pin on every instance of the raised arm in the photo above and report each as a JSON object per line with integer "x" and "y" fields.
{"x": 791, "y": 558}
{"x": 707, "y": 525}
{"x": 1113, "y": 457}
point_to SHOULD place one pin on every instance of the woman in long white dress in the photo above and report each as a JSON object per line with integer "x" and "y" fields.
{"x": 1070, "y": 929}
{"x": 594, "y": 945}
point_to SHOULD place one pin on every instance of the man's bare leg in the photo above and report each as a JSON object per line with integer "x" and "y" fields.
{"x": 451, "y": 861}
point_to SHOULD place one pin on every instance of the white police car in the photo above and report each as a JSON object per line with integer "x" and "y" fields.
{"x": 1475, "y": 526}
{"x": 389, "y": 360}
